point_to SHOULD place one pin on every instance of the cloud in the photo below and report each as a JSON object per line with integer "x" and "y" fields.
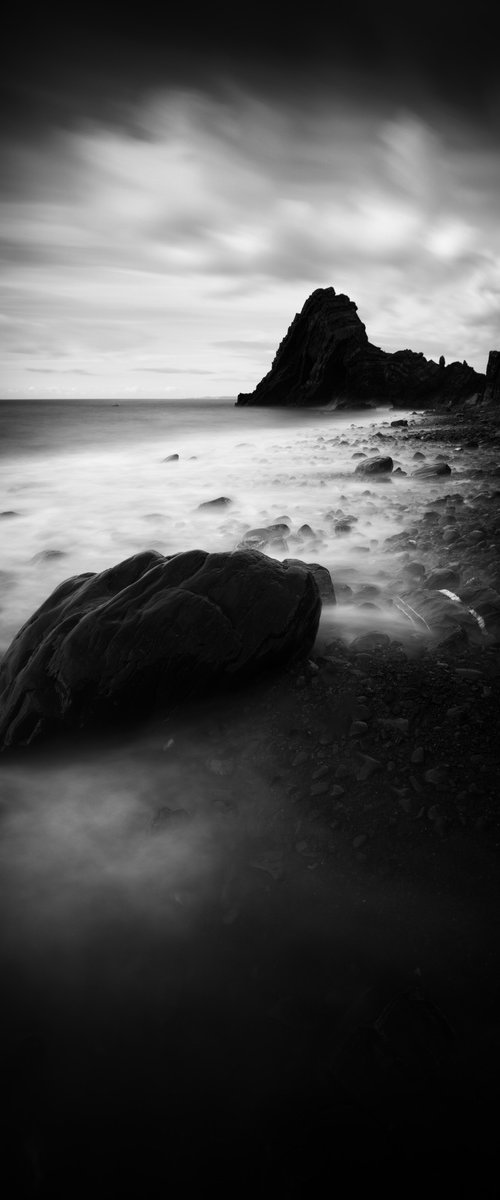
{"x": 175, "y": 370}
{"x": 202, "y": 232}
{"x": 60, "y": 371}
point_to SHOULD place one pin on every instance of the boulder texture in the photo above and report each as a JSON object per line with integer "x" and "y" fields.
{"x": 326, "y": 358}
{"x": 375, "y": 466}
{"x": 145, "y": 633}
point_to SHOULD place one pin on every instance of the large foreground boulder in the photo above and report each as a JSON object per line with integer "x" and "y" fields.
{"x": 326, "y": 358}
{"x": 149, "y": 631}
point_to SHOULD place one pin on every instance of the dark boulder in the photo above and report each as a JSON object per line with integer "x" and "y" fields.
{"x": 326, "y": 358}
{"x": 375, "y": 466}
{"x": 322, "y": 577}
{"x": 432, "y": 471}
{"x": 266, "y": 535}
{"x": 219, "y": 502}
{"x": 145, "y": 633}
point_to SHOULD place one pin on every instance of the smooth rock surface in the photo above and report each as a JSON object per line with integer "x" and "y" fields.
{"x": 149, "y": 631}
{"x": 375, "y": 466}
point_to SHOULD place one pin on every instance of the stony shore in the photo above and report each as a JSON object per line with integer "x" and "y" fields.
{"x": 333, "y": 995}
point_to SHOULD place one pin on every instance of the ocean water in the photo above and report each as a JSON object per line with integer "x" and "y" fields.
{"x": 89, "y": 486}
{"x": 147, "y": 957}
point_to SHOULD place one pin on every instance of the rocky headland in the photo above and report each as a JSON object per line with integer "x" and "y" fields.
{"x": 326, "y": 358}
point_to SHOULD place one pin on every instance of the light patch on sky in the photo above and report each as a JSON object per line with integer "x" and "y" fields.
{"x": 168, "y": 256}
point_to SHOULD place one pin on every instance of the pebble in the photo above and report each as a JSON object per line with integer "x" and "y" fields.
{"x": 358, "y": 729}
{"x": 337, "y": 791}
{"x": 366, "y": 766}
{"x": 300, "y": 758}
{"x": 418, "y": 755}
{"x": 319, "y": 789}
{"x": 359, "y": 841}
{"x": 436, "y": 776}
{"x": 320, "y": 772}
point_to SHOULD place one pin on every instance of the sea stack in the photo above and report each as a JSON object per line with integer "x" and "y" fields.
{"x": 326, "y": 358}
{"x": 492, "y": 388}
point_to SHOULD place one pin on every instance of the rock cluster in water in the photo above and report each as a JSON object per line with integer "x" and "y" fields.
{"x": 326, "y": 357}
{"x": 149, "y": 631}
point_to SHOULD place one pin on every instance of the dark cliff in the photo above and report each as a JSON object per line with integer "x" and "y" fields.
{"x": 326, "y": 358}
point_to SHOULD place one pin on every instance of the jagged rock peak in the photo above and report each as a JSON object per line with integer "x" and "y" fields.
{"x": 326, "y": 358}
{"x": 492, "y": 388}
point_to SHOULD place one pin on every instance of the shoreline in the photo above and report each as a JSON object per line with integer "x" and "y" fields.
{"x": 327, "y": 995}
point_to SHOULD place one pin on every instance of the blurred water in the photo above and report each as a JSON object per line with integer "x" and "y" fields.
{"x": 89, "y": 486}
{"x": 109, "y": 905}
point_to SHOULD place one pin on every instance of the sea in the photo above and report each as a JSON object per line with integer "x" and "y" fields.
{"x": 156, "y": 965}
{"x": 89, "y": 483}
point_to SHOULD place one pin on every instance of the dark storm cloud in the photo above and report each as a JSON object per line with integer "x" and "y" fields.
{"x": 186, "y": 182}
{"x": 62, "y": 64}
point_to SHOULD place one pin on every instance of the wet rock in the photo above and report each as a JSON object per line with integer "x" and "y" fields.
{"x": 430, "y": 472}
{"x": 321, "y": 575}
{"x": 382, "y": 465}
{"x": 374, "y": 640}
{"x": 268, "y": 535}
{"x": 48, "y": 555}
{"x": 415, "y": 569}
{"x": 142, "y": 635}
{"x": 219, "y": 502}
{"x": 443, "y": 577}
{"x": 365, "y": 766}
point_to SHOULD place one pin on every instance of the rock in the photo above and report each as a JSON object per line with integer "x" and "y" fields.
{"x": 416, "y": 569}
{"x": 399, "y": 423}
{"x": 492, "y": 386}
{"x": 443, "y": 577}
{"x": 370, "y": 641}
{"x": 220, "y": 502}
{"x": 141, "y": 635}
{"x": 8, "y": 512}
{"x": 375, "y": 466}
{"x": 269, "y": 535}
{"x": 48, "y": 555}
{"x": 171, "y": 458}
{"x": 366, "y": 766}
{"x": 433, "y": 470}
{"x": 326, "y": 357}
{"x": 322, "y": 577}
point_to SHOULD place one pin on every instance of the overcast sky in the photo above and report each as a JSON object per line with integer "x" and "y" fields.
{"x": 172, "y": 193}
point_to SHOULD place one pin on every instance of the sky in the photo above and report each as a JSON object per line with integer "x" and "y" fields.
{"x": 173, "y": 190}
